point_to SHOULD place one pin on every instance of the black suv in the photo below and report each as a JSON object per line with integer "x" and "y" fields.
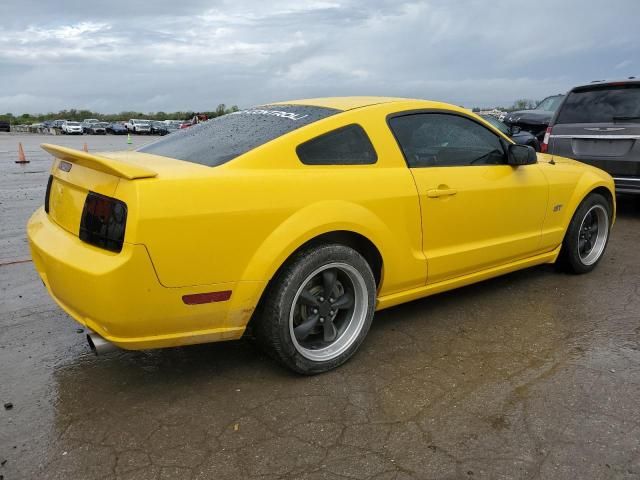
{"x": 4, "y": 126}
{"x": 599, "y": 124}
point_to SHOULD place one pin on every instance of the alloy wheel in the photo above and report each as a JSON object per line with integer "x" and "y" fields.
{"x": 593, "y": 233}
{"x": 329, "y": 310}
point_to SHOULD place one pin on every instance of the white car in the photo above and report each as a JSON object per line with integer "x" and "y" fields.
{"x": 72, "y": 128}
{"x": 138, "y": 126}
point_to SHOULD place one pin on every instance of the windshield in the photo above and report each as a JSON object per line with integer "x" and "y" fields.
{"x": 497, "y": 123}
{"x": 606, "y": 104}
{"x": 73, "y": 124}
{"x": 224, "y": 138}
{"x": 550, "y": 104}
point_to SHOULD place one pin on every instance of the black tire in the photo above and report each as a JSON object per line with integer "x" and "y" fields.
{"x": 575, "y": 256}
{"x": 284, "y": 307}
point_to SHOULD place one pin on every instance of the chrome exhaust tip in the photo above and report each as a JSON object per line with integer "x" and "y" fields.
{"x": 99, "y": 345}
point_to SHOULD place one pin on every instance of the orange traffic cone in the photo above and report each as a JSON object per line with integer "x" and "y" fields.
{"x": 21, "y": 157}
{"x": 85, "y": 148}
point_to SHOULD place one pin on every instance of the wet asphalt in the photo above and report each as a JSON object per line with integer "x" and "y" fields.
{"x": 534, "y": 375}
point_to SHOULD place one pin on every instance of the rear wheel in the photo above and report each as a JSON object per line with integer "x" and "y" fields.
{"x": 587, "y": 236}
{"x": 318, "y": 309}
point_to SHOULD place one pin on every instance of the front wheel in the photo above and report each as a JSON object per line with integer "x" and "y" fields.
{"x": 587, "y": 236}
{"x": 318, "y": 309}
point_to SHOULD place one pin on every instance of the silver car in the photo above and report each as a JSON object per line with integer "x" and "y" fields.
{"x": 599, "y": 124}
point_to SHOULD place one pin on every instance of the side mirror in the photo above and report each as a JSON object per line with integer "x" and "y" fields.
{"x": 521, "y": 155}
{"x": 515, "y": 130}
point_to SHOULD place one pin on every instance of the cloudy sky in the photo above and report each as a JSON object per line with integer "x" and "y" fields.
{"x": 155, "y": 55}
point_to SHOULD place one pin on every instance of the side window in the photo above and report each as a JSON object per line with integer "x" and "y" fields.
{"x": 348, "y": 145}
{"x": 441, "y": 140}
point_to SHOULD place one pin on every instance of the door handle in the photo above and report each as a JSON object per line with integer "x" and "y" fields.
{"x": 441, "y": 192}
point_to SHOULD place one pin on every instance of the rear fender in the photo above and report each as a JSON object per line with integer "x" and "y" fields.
{"x": 309, "y": 223}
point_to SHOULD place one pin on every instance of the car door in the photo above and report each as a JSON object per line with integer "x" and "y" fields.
{"x": 477, "y": 211}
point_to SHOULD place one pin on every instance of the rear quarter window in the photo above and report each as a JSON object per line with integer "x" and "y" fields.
{"x": 347, "y": 145}
{"x": 224, "y": 138}
{"x": 608, "y": 104}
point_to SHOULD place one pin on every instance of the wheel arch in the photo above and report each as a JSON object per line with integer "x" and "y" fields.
{"x": 359, "y": 242}
{"x": 351, "y": 239}
{"x": 580, "y": 194}
{"x": 599, "y": 188}
{"x": 588, "y": 183}
{"x": 606, "y": 193}
{"x": 358, "y": 227}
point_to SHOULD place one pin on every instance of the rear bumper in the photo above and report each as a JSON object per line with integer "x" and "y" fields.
{"x": 119, "y": 296}
{"x": 627, "y": 184}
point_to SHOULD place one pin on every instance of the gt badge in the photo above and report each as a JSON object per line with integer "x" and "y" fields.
{"x": 557, "y": 208}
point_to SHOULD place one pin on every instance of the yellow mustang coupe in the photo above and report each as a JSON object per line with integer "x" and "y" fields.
{"x": 299, "y": 220}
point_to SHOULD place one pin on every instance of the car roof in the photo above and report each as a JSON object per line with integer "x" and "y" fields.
{"x": 598, "y": 83}
{"x": 342, "y": 103}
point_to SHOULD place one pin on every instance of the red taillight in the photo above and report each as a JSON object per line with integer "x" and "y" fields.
{"x": 545, "y": 142}
{"x": 103, "y": 222}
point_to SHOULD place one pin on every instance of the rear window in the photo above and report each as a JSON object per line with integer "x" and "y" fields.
{"x": 601, "y": 105}
{"x": 224, "y": 138}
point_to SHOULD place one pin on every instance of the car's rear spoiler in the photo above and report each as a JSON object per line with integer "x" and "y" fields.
{"x": 100, "y": 163}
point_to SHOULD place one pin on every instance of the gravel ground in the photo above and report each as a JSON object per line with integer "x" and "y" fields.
{"x": 532, "y": 375}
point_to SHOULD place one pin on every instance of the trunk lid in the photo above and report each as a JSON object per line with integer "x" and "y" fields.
{"x": 75, "y": 174}
{"x": 599, "y": 124}
{"x": 614, "y": 148}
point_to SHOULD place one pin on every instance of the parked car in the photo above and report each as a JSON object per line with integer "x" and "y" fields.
{"x": 298, "y": 220}
{"x": 158, "y": 128}
{"x": 116, "y": 128}
{"x": 5, "y": 126}
{"x": 72, "y": 128}
{"x": 138, "y": 126}
{"x": 537, "y": 120}
{"x": 98, "y": 128}
{"x": 87, "y": 123}
{"x": 165, "y": 127}
{"x": 197, "y": 118}
{"x": 173, "y": 125}
{"x": 58, "y": 124}
{"x": 514, "y": 133}
{"x": 599, "y": 124}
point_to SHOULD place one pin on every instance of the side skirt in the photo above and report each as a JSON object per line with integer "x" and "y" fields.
{"x": 431, "y": 289}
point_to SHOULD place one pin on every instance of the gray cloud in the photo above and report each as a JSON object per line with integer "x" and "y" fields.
{"x": 167, "y": 55}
